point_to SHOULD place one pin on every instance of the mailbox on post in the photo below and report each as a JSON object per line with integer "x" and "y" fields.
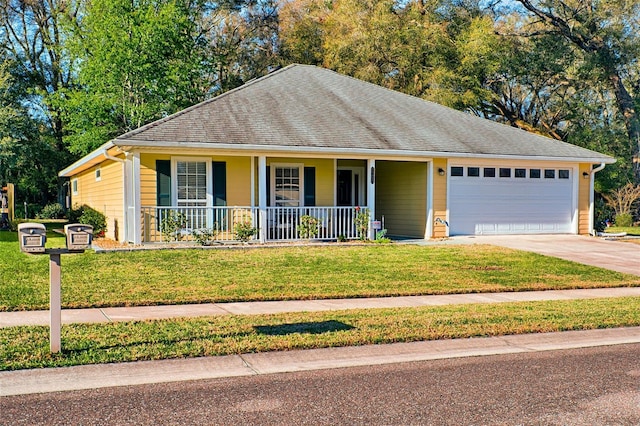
{"x": 79, "y": 236}
{"x": 32, "y": 237}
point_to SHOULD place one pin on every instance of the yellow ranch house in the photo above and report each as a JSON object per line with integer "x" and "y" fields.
{"x": 305, "y": 141}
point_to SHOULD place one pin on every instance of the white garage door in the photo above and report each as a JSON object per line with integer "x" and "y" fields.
{"x": 502, "y": 200}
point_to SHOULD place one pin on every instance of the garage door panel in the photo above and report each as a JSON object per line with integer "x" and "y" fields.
{"x": 510, "y": 206}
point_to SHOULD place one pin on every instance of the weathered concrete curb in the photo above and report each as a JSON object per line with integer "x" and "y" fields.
{"x": 146, "y": 372}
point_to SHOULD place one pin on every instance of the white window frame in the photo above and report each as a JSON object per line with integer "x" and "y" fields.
{"x": 98, "y": 174}
{"x": 174, "y": 180}
{"x": 74, "y": 186}
{"x": 272, "y": 183}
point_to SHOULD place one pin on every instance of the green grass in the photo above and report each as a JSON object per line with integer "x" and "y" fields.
{"x": 630, "y": 230}
{"x": 28, "y": 347}
{"x": 312, "y": 272}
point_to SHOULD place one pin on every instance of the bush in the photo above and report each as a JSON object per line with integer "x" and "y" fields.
{"x": 51, "y": 211}
{"x": 624, "y": 220}
{"x": 172, "y": 224}
{"x": 308, "y": 227}
{"x": 88, "y": 216}
{"x": 244, "y": 231}
{"x": 204, "y": 237}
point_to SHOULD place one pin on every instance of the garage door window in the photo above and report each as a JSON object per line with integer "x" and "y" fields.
{"x": 520, "y": 173}
{"x": 549, "y": 174}
{"x": 534, "y": 174}
{"x": 457, "y": 171}
{"x": 505, "y": 173}
{"x": 473, "y": 171}
{"x": 563, "y": 174}
{"x": 489, "y": 172}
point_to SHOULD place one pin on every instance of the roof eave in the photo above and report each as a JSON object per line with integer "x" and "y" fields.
{"x": 130, "y": 144}
{"x": 89, "y": 160}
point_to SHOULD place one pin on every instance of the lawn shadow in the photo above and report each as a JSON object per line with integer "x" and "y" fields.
{"x": 317, "y": 327}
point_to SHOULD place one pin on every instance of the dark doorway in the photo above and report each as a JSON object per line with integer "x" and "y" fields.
{"x": 345, "y": 188}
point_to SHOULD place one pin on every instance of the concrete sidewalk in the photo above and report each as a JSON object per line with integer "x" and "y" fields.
{"x": 140, "y": 313}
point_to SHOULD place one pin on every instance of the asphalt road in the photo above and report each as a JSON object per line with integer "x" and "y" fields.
{"x": 594, "y": 386}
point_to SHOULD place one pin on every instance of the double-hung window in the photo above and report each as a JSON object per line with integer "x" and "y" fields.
{"x": 192, "y": 190}
{"x": 287, "y": 185}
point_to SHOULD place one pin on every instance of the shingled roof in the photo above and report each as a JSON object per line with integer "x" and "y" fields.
{"x": 311, "y": 108}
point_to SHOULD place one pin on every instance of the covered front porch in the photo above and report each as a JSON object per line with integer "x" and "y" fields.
{"x": 276, "y": 198}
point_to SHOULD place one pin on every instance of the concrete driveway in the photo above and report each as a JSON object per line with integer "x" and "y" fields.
{"x": 617, "y": 256}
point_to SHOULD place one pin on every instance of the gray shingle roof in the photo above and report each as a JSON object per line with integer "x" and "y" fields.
{"x": 310, "y": 107}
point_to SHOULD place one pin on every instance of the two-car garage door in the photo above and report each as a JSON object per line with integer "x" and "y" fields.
{"x": 510, "y": 200}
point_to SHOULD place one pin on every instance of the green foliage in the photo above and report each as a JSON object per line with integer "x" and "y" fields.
{"x": 89, "y": 216}
{"x": 94, "y": 218}
{"x": 381, "y": 237}
{"x": 52, "y": 211}
{"x": 361, "y": 222}
{"x": 624, "y": 220}
{"x": 342, "y": 238}
{"x": 308, "y": 227}
{"x": 204, "y": 237}
{"x": 172, "y": 224}
{"x": 244, "y": 231}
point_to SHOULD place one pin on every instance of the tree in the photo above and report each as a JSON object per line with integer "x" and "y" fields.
{"x": 606, "y": 32}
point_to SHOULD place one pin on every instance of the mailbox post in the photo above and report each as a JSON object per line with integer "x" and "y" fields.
{"x": 32, "y": 238}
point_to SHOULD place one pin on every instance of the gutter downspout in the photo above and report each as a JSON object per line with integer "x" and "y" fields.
{"x": 592, "y": 174}
{"x": 125, "y": 209}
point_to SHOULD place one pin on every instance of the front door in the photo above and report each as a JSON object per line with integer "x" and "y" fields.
{"x": 345, "y": 188}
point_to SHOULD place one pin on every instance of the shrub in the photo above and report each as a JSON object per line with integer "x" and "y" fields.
{"x": 624, "y": 220}
{"x": 244, "y": 231}
{"x": 94, "y": 218}
{"x": 51, "y": 211}
{"x": 362, "y": 223}
{"x": 171, "y": 225}
{"x": 308, "y": 227}
{"x": 204, "y": 237}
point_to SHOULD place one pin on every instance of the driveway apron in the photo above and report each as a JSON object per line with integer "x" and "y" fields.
{"x": 620, "y": 256}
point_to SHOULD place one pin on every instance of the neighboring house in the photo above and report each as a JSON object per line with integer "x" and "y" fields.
{"x": 306, "y": 140}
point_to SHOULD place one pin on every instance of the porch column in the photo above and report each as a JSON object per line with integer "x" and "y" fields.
{"x": 135, "y": 207}
{"x": 262, "y": 197}
{"x": 429, "y": 229}
{"x": 371, "y": 194}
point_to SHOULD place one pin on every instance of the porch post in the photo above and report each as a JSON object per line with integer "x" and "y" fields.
{"x": 135, "y": 209}
{"x": 429, "y": 229}
{"x": 262, "y": 197}
{"x": 371, "y": 194}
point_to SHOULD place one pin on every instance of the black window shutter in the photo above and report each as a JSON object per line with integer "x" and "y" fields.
{"x": 310, "y": 186}
{"x": 268, "y": 186}
{"x": 219, "y": 173}
{"x": 163, "y": 183}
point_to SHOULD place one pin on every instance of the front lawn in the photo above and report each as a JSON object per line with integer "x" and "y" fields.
{"x": 312, "y": 272}
{"x": 630, "y": 230}
{"x": 28, "y": 347}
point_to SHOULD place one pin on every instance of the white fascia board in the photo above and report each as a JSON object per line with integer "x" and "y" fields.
{"x": 348, "y": 152}
{"x": 88, "y": 159}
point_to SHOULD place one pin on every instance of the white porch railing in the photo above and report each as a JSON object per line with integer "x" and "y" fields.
{"x": 185, "y": 220}
{"x": 282, "y": 223}
{"x": 328, "y": 223}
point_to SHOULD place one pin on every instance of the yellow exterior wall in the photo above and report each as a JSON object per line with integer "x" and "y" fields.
{"x": 401, "y": 197}
{"x": 584, "y": 198}
{"x": 325, "y": 176}
{"x": 439, "y": 197}
{"x": 238, "y": 178}
{"x": 105, "y": 195}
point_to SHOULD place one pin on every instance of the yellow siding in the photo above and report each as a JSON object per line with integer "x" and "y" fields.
{"x": 325, "y": 176}
{"x": 584, "y": 198}
{"x": 238, "y": 178}
{"x": 401, "y": 197}
{"x": 105, "y": 195}
{"x": 439, "y": 197}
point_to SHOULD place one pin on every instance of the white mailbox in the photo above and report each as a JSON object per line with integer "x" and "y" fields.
{"x": 32, "y": 237}
{"x": 79, "y": 236}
